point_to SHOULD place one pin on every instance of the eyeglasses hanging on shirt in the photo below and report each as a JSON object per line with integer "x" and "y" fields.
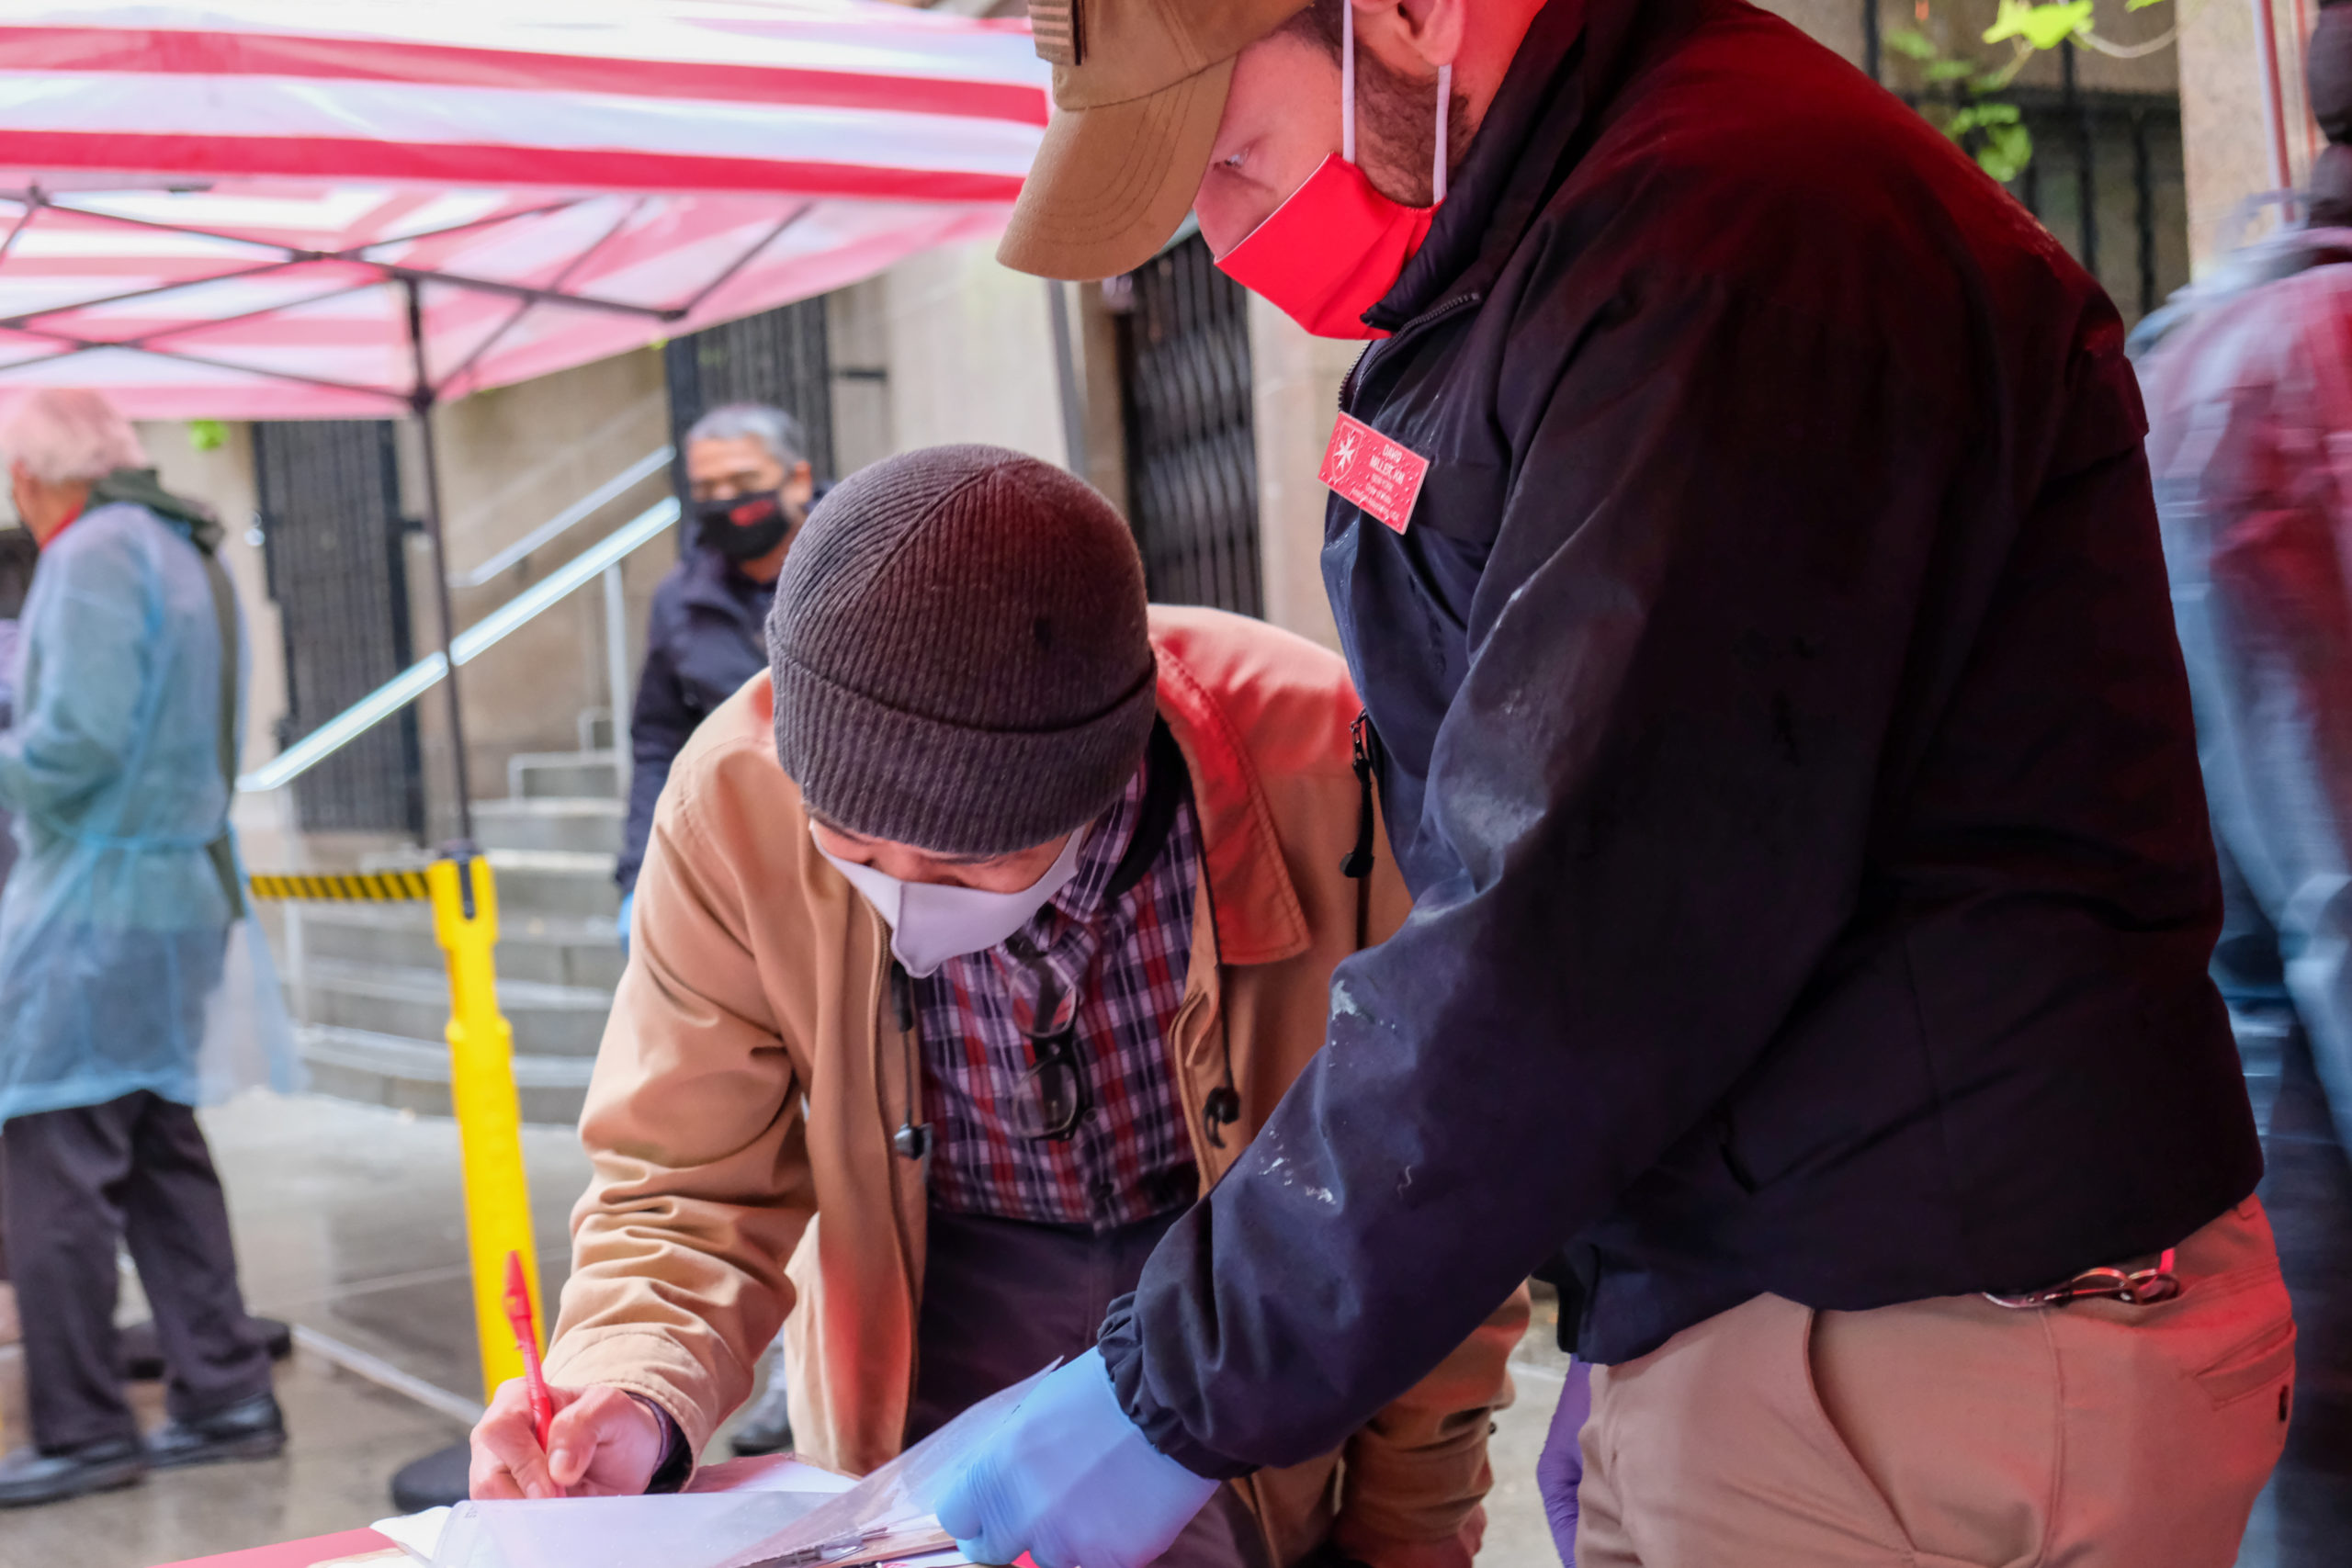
{"x": 1055, "y": 1097}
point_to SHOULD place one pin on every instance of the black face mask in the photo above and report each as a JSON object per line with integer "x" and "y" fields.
{"x": 744, "y": 527}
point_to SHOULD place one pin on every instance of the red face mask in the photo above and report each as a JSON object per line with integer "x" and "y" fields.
{"x": 1331, "y": 252}
{"x": 1336, "y": 246}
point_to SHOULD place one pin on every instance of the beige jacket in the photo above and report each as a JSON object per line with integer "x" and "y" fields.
{"x": 752, "y": 1074}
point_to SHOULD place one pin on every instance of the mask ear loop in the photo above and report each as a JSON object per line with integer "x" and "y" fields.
{"x": 1348, "y": 80}
{"x": 1348, "y": 103}
{"x": 1445, "y": 102}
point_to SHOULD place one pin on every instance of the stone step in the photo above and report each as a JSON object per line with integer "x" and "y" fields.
{"x": 556, "y": 882}
{"x": 583, "y": 824}
{"x": 414, "y": 1075}
{"x": 414, "y": 1004}
{"x": 547, "y": 948}
{"x": 542, "y": 774}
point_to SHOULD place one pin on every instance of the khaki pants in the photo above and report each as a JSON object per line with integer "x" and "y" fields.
{"x": 1952, "y": 1431}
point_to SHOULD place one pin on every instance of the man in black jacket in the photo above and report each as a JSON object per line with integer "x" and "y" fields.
{"x": 747, "y": 469}
{"x": 1743, "y": 545}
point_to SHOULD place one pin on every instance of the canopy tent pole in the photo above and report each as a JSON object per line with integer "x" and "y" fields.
{"x": 2274, "y": 112}
{"x": 420, "y": 401}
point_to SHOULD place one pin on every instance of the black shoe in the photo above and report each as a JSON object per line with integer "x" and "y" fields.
{"x": 767, "y": 1425}
{"x": 251, "y": 1428}
{"x": 29, "y": 1476}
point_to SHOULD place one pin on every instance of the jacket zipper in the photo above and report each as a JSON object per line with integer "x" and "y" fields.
{"x": 1434, "y": 314}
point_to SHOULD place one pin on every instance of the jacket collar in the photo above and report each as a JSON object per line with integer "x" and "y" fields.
{"x": 140, "y": 487}
{"x": 1255, "y": 904}
{"x": 1567, "y": 68}
{"x": 705, "y": 587}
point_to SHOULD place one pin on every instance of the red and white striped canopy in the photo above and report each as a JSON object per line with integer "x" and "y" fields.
{"x": 225, "y": 211}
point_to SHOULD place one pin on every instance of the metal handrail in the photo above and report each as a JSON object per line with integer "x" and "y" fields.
{"x": 466, "y": 646}
{"x": 555, "y": 527}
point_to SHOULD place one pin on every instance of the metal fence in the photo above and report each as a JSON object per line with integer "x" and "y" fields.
{"x": 333, "y": 541}
{"x": 2107, "y": 177}
{"x": 1191, "y": 447}
{"x": 780, "y": 356}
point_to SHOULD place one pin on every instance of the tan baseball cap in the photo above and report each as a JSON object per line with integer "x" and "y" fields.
{"x": 1139, "y": 88}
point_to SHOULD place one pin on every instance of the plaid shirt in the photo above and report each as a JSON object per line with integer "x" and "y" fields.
{"x": 1131, "y": 1157}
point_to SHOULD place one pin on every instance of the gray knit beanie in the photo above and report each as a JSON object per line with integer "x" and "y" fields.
{"x": 959, "y": 653}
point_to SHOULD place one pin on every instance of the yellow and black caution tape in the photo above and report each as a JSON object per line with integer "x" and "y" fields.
{"x": 350, "y": 887}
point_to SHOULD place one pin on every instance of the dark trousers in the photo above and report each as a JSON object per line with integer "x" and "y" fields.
{"x": 1001, "y": 1299}
{"x": 135, "y": 1169}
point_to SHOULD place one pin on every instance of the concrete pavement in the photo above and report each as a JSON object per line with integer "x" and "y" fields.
{"x": 350, "y": 1226}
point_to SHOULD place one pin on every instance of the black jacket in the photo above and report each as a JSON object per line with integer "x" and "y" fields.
{"x": 706, "y": 637}
{"x": 1786, "y": 742}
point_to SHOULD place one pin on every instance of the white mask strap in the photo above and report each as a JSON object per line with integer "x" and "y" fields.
{"x": 1348, "y": 80}
{"x": 1348, "y": 102}
{"x": 1445, "y": 102}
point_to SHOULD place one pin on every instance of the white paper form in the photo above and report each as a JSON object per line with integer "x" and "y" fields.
{"x": 768, "y": 1518}
{"x": 680, "y": 1531}
{"x": 420, "y": 1534}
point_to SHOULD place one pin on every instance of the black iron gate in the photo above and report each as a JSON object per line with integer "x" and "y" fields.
{"x": 2109, "y": 179}
{"x": 18, "y": 556}
{"x": 332, "y": 540}
{"x": 779, "y": 356}
{"x": 2108, "y": 176}
{"x": 1191, "y": 447}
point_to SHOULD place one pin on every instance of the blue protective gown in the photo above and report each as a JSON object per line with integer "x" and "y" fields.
{"x": 117, "y": 968}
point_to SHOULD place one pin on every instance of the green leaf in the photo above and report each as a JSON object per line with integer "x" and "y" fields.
{"x": 1949, "y": 70}
{"x": 1913, "y": 43}
{"x": 2007, "y": 150}
{"x": 207, "y": 435}
{"x": 1997, "y": 114}
{"x": 2141, "y": 4}
{"x": 2043, "y": 26}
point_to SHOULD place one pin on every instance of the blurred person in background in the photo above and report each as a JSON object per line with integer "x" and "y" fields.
{"x": 977, "y": 942}
{"x": 132, "y": 985}
{"x": 17, "y": 554}
{"x": 750, "y": 487}
{"x": 2248, "y": 380}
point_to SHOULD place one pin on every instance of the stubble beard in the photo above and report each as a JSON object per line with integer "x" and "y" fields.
{"x": 1396, "y": 132}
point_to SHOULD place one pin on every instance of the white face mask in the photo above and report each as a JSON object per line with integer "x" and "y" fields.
{"x": 931, "y": 923}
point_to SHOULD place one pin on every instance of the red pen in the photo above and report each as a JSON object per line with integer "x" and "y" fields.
{"x": 527, "y": 1338}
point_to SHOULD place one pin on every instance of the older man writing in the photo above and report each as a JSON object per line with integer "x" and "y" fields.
{"x": 974, "y": 943}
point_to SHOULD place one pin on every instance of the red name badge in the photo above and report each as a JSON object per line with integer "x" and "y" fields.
{"x": 1364, "y": 466}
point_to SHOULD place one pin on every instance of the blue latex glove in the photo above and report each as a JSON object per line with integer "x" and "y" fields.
{"x": 629, "y": 902}
{"x": 1559, "y": 1470}
{"x": 1069, "y": 1480}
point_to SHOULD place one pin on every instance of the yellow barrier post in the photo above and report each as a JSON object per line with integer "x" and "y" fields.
{"x": 488, "y": 1110}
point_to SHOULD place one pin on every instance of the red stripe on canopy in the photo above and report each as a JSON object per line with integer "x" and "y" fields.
{"x": 221, "y": 210}
{"x": 480, "y": 164}
{"x": 154, "y": 52}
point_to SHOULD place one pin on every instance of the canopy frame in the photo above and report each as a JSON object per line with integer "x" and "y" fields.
{"x": 423, "y": 393}
{"x": 34, "y": 201}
